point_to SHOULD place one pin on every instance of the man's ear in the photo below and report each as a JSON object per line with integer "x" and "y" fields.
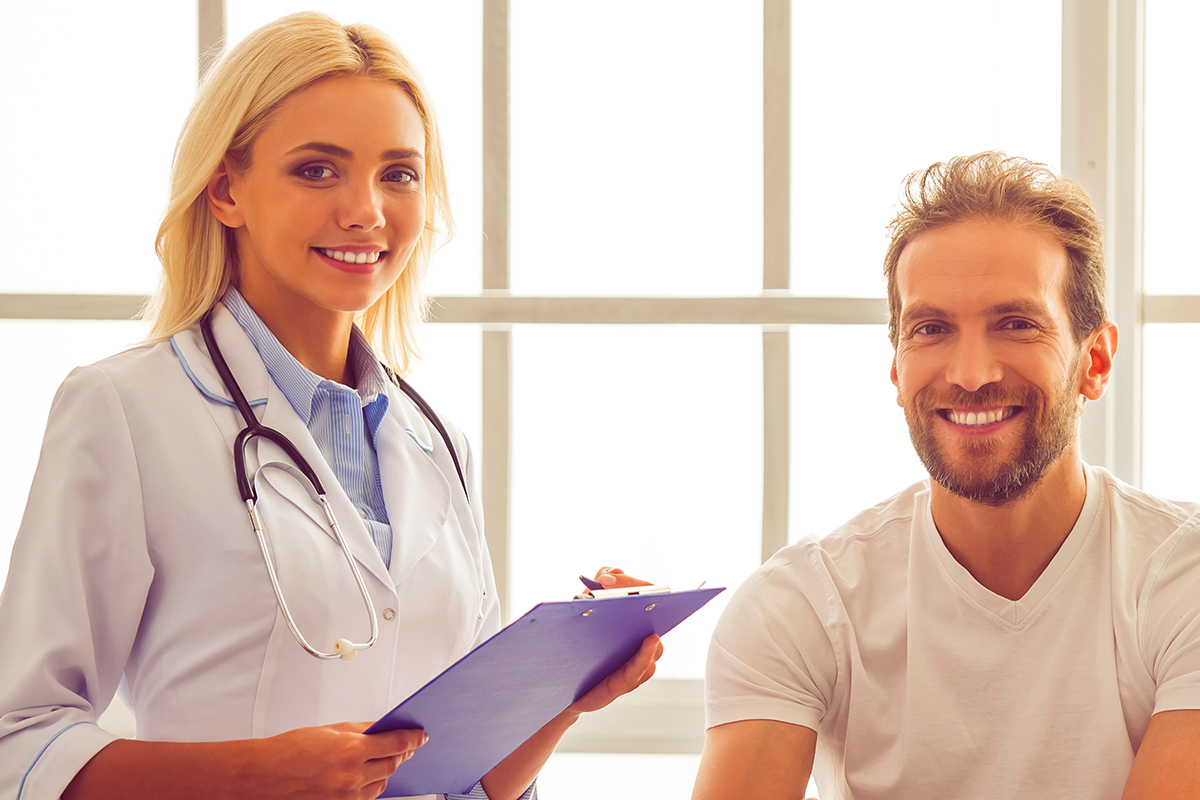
{"x": 895, "y": 375}
{"x": 219, "y": 192}
{"x": 1097, "y": 361}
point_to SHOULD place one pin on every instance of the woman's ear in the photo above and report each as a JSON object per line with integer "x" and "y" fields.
{"x": 221, "y": 197}
{"x": 1098, "y": 355}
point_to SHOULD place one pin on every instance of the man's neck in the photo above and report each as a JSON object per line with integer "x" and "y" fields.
{"x": 1007, "y": 548}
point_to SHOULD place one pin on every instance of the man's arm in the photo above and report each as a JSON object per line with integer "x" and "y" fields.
{"x": 1167, "y": 766}
{"x": 756, "y": 758}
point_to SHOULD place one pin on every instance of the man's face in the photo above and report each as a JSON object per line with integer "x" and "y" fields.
{"x": 986, "y": 367}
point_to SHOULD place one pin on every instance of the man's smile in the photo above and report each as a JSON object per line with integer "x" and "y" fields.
{"x": 978, "y": 417}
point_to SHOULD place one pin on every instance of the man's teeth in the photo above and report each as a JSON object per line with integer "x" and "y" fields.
{"x": 351, "y": 258}
{"x": 980, "y": 417}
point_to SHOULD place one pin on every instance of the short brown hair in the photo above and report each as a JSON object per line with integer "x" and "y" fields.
{"x": 993, "y": 185}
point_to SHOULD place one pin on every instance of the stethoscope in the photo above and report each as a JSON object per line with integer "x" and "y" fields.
{"x": 304, "y": 474}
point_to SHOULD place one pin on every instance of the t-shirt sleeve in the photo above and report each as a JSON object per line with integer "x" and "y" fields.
{"x": 771, "y": 656}
{"x": 1169, "y": 619}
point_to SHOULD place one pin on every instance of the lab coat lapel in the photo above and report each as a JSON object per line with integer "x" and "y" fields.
{"x": 415, "y": 489}
{"x": 247, "y": 368}
{"x": 251, "y": 374}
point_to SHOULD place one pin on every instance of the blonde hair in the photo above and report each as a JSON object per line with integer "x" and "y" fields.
{"x": 992, "y": 185}
{"x": 234, "y": 105}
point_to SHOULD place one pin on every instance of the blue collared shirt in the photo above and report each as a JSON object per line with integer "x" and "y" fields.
{"x": 343, "y": 421}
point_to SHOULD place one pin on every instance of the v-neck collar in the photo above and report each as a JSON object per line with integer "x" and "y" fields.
{"x": 1016, "y": 614}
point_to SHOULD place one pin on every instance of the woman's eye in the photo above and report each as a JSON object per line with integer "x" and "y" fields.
{"x": 400, "y": 176}
{"x": 317, "y": 173}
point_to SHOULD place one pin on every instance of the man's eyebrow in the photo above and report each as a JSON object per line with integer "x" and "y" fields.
{"x": 923, "y": 310}
{"x": 1027, "y": 307}
{"x": 397, "y": 154}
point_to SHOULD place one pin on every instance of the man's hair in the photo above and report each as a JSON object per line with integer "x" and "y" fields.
{"x": 996, "y": 186}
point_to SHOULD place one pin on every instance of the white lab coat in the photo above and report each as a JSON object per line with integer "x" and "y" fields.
{"x": 136, "y": 566}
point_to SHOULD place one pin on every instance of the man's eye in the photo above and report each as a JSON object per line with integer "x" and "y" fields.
{"x": 929, "y": 329}
{"x": 1019, "y": 325}
{"x": 317, "y": 172}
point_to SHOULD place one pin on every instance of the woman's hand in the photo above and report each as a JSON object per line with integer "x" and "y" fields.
{"x": 636, "y": 670}
{"x": 331, "y": 761}
{"x": 614, "y": 578}
{"x": 512, "y": 776}
{"x": 624, "y": 680}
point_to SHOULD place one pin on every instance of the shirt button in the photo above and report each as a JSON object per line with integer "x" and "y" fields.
{"x": 389, "y": 614}
{"x": 345, "y": 426}
{"x": 362, "y": 512}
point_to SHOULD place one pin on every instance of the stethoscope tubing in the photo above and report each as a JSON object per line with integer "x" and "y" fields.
{"x": 343, "y": 648}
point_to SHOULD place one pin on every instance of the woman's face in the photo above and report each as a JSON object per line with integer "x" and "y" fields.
{"x": 329, "y": 211}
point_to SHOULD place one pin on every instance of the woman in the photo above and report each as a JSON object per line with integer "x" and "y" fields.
{"x": 307, "y": 193}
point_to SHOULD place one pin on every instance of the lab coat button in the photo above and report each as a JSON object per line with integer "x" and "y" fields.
{"x": 389, "y": 614}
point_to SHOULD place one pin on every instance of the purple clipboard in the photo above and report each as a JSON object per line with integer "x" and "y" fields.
{"x": 502, "y": 692}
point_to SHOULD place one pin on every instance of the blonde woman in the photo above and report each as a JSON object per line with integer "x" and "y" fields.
{"x": 307, "y": 196}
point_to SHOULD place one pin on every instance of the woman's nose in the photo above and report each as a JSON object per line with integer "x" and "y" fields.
{"x": 361, "y": 208}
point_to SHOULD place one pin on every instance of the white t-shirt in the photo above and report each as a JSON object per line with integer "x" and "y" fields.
{"x": 923, "y": 684}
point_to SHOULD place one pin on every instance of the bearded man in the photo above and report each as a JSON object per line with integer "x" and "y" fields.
{"x": 1021, "y": 625}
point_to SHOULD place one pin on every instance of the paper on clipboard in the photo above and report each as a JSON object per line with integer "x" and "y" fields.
{"x": 494, "y": 698}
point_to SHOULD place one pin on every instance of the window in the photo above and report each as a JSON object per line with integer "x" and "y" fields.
{"x": 661, "y": 322}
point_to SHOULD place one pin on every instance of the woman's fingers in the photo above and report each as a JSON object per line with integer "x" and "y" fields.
{"x": 332, "y": 760}
{"x": 630, "y": 675}
{"x": 614, "y": 577}
{"x": 371, "y": 791}
{"x": 393, "y": 743}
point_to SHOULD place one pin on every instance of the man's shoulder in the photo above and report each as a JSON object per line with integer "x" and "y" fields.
{"x": 875, "y": 539}
{"x": 1139, "y": 518}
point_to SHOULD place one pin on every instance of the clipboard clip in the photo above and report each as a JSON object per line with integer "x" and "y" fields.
{"x": 596, "y": 590}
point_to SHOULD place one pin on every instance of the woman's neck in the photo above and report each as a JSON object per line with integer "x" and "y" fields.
{"x": 316, "y": 337}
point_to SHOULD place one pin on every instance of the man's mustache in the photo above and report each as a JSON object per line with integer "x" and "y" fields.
{"x": 989, "y": 396}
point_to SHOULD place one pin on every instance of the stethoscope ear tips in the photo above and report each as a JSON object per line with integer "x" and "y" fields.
{"x": 345, "y": 649}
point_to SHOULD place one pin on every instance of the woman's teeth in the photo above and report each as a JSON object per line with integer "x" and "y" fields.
{"x": 980, "y": 417}
{"x": 350, "y": 258}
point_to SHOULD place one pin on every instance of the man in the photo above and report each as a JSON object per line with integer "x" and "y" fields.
{"x": 1021, "y": 625}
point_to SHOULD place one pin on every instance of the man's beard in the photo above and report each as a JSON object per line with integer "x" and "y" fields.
{"x": 1050, "y": 427}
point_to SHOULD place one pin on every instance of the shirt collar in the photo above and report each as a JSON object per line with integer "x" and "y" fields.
{"x": 300, "y": 385}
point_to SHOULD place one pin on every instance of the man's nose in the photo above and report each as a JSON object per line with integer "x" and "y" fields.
{"x": 973, "y": 364}
{"x": 361, "y": 207}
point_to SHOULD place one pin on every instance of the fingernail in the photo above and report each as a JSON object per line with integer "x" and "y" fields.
{"x": 607, "y": 580}
{"x": 424, "y": 738}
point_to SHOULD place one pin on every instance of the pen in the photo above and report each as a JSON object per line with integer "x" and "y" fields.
{"x": 591, "y": 584}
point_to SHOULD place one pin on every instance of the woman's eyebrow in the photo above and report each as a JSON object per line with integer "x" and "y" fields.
{"x": 400, "y": 153}
{"x": 323, "y": 147}
{"x": 341, "y": 152}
